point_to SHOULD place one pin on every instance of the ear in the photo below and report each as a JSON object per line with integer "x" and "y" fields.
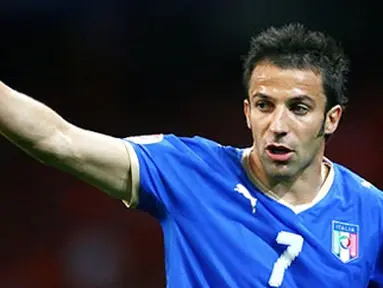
{"x": 333, "y": 117}
{"x": 246, "y": 110}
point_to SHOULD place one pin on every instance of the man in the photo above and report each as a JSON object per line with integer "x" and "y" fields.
{"x": 276, "y": 214}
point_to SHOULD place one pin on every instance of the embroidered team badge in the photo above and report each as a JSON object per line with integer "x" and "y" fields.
{"x": 345, "y": 241}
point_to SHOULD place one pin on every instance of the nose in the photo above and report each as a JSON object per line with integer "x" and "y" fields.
{"x": 279, "y": 122}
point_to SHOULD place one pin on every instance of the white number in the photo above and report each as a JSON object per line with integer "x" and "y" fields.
{"x": 295, "y": 243}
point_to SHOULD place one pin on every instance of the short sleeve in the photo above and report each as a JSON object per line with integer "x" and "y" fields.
{"x": 377, "y": 278}
{"x": 377, "y": 275}
{"x": 164, "y": 167}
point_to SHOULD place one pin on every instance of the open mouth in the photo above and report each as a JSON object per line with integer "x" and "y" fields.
{"x": 278, "y": 152}
{"x": 278, "y": 149}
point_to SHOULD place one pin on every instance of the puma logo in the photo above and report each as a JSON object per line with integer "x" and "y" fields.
{"x": 245, "y": 193}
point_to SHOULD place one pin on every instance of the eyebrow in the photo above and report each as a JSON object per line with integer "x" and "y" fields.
{"x": 261, "y": 95}
{"x": 294, "y": 98}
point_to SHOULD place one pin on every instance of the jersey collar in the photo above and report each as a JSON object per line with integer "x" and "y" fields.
{"x": 295, "y": 208}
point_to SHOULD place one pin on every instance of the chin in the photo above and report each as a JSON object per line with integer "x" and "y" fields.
{"x": 281, "y": 176}
{"x": 280, "y": 171}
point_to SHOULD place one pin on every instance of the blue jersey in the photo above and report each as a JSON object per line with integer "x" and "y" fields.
{"x": 222, "y": 230}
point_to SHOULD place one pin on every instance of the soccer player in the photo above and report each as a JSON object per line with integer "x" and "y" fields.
{"x": 275, "y": 214}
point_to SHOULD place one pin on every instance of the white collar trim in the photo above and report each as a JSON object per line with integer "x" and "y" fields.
{"x": 325, "y": 188}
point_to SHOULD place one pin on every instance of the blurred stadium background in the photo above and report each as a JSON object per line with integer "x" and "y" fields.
{"x": 139, "y": 67}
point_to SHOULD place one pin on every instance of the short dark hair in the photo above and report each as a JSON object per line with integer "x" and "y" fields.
{"x": 294, "y": 46}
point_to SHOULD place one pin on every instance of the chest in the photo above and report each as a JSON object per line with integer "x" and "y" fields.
{"x": 268, "y": 244}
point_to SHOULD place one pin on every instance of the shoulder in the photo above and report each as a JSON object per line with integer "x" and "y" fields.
{"x": 203, "y": 147}
{"x": 182, "y": 146}
{"x": 195, "y": 143}
{"x": 356, "y": 185}
{"x": 171, "y": 139}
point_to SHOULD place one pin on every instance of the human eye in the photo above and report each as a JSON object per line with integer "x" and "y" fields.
{"x": 300, "y": 109}
{"x": 264, "y": 106}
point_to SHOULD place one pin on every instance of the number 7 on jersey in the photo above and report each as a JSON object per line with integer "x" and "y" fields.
{"x": 295, "y": 243}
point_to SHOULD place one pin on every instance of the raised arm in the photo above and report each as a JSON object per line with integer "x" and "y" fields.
{"x": 100, "y": 160}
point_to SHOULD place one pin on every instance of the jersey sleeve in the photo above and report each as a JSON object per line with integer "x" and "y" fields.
{"x": 377, "y": 277}
{"x": 377, "y": 274}
{"x": 163, "y": 167}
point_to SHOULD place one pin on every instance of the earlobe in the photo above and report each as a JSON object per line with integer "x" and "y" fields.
{"x": 333, "y": 118}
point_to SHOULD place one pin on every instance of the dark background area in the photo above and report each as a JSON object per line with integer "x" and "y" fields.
{"x": 139, "y": 67}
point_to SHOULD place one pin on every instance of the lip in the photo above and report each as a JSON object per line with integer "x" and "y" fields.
{"x": 278, "y": 145}
{"x": 279, "y": 157}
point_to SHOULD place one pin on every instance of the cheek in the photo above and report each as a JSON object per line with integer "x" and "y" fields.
{"x": 308, "y": 128}
{"x": 257, "y": 125}
{"x": 258, "y": 119}
{"x": 311, "y": 139}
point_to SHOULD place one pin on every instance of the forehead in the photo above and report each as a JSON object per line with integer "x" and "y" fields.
{"x": 272, "y": 80}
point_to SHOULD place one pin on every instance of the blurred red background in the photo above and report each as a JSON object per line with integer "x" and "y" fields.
{"x": 140, "y": 67}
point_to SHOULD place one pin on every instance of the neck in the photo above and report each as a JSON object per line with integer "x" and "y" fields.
{"x": 301, "y": 189}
